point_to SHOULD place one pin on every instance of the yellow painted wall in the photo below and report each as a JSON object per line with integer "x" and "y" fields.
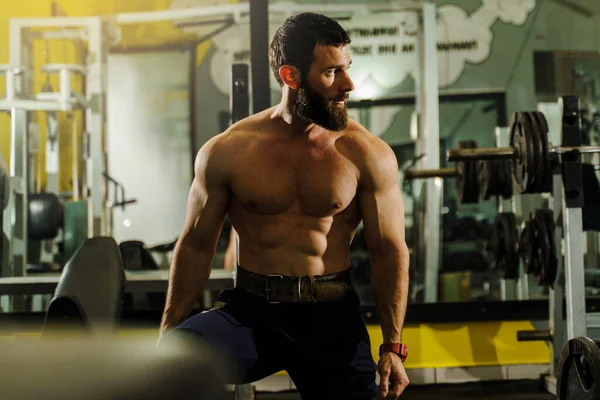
{"x": 466, "y": 345}
{"x": 65, "y": 52}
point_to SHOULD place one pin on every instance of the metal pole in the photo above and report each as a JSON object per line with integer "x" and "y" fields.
{"x": 259, "y": 54}
{"x": 411, "y": 174}
{"x": 428, "y": 142}
{"x": 481, "y": 153}
{"x": 523, "y": 282}
{"x": 19, "y": 173}
{"x": 572, "y": 203}
{"x": 52, "y": 153}
{"x": 5, "y": 226}
{"x": 556, "y": 322}
{"x": 574, "y": 273}
{"x": 95, "y": 119}
{"x": 75, "y": 157}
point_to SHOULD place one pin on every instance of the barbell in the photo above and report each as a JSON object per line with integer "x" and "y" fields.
{"x": 475, "y": 180}
{"x": 530, "y": 153}
{"x": 411, "y": 174}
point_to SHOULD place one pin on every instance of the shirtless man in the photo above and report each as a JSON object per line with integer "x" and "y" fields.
{"x": 296, "y": 180}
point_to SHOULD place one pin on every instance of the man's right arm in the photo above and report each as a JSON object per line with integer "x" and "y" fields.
{"x": 194, "y": 252}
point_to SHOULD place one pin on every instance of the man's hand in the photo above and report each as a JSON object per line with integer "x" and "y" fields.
{"x": 393, "y": 378}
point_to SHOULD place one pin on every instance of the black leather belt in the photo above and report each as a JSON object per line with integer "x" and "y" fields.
{"x": 296, "y": 289}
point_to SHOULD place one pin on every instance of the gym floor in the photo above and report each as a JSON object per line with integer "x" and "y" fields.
{"x": 513, "y": 390}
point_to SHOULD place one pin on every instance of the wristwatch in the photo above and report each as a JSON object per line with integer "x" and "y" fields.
{"x": 398, "y": 348}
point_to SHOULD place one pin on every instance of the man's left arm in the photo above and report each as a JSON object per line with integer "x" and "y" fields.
{"x": 382, "y": 211}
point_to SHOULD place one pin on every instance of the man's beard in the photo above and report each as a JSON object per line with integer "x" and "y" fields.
{"x": 322, "y": 111}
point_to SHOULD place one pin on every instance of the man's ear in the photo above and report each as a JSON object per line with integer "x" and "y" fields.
{"x": 290, "y": 76}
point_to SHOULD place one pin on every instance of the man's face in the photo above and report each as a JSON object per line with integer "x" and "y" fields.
{"x": 324, "y": 90}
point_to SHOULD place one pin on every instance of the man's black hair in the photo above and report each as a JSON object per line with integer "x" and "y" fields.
{"x": 295, "y": 41}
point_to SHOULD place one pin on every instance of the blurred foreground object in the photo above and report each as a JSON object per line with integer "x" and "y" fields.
{"x": 122, "y": 369}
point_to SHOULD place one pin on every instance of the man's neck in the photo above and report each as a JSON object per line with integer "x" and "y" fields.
{"x": 296, "y": 124}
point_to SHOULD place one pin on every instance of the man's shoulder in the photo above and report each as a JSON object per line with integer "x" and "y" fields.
{"x": 246, "y": 130}
{"x": 364, "y": 143}
{"x": 234, "y": 137}
{"x": 217, "y": 152}
{"x": 372, "y": 154}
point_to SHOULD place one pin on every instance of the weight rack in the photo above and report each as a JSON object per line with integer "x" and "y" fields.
{"x": 20, "y": 101}
{"x": 567, "y": 207}
{"x": 568, "y": 197}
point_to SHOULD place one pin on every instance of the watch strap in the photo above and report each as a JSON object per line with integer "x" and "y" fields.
{"x": 398, "y": 348}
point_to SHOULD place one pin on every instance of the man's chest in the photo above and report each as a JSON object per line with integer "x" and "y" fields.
{"x": 316, "y": 182}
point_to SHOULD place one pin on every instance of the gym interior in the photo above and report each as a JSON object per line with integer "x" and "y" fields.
{"x": 490, "y": 106}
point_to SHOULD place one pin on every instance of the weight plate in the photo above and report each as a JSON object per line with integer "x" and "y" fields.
{"x": 533, "y": 266}
{"x": 483, "y": 176}
{"x": 498, "y": 173}
{"x": 492, "y": 247}
{"x": 518, "y": 162}
{"x": 536, "y": 170}
{"x": 532, "y": 164}
{"x": 495, "y": 179}
{"x": 524, "y": 162}
{"x": 549, "y": 249}
{"x": 503, "y": 182}
{"x": 501, "y": 177}
{"x": 467, "y": 181}
{"x": 504, "y": 255}
{"x": 578, "y": 370}
{"x": 540, "y": 138}
{"x": 532, "y": 130}
{"x": 547, "y": 183}
{"x": 486, "y": 179}
{"x": 527, "y": 248}
{"x": 552, "y": 266}
{"x": 537, "y": 247}
{"x": 509, "y": 224}
{"x": 542, "y": 249}
{"x": 501, "y": 246}
{"x": 507, "y": 177}
{"x": 543, "y": 121}
{"x": 474, "y": 181}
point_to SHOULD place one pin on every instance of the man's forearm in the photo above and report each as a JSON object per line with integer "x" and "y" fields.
{"x": 390, "y": 285}
{"x": 190, "y": 270}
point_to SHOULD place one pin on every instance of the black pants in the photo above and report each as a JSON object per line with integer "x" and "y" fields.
{"x": 324, "y": 347}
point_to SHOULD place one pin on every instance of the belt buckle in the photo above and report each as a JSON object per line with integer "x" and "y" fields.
{"x": 268, "y": 289}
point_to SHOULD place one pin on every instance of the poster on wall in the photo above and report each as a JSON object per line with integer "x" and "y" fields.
{"x": 383, "y": 45}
